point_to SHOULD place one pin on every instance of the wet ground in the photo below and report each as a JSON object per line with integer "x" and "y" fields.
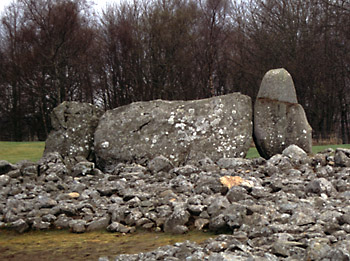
{"x": 63, "y": 245}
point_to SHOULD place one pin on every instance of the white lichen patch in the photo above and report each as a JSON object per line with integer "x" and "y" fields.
{"x": 215, "y": 122}
{"x": 105, "y": 144}
{"x": 180, "y": 126}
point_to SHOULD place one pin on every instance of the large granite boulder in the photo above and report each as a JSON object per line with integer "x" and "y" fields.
{"x": 73, "y": 124}
{"x": 178, "y": 130}
{"x": 279, "y": 121}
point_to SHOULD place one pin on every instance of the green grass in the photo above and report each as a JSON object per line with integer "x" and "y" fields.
{"x": 253, "y": 153}
{"x": 17, "y": 151}
{"x": 33, "y": 151}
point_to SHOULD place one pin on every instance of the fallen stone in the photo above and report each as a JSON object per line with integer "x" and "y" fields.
{"x": 181, "y": 131}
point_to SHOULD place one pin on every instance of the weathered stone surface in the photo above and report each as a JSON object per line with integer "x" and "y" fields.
{"x": 20, "y": 226}
{"x": 73, "y": 125}
{"x": 296, "y": 212}
{"x": 179, "y": 130}
{"x": 5, "y": 167}
{"x": 342, "y": 157}
{"x": 279, "y": 121}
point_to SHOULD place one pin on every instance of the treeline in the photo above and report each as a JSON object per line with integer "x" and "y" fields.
{"x": 57, "y": 50}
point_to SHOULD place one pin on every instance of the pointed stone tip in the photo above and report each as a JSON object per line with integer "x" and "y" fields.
{"x": 277, "y": 84}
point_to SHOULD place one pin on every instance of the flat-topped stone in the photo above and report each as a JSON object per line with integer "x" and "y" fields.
{"x": 181, "y": 131}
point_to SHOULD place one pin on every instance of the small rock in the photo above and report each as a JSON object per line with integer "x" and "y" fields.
{"x": 160, "y": 163}
{"x": 74, "y": 195}
{"x": 117, "y": 227}
{"x": 232, "y": 163}
{"x": 98, "y": 224}
{"x": 77, "y": 226}
{"x": 200, "y": 223}
{"x": 6, "y": 167}
{"x": 236, "y": 194}
{"x": 4, "y": 180}
{"x": 319, "y": 186}
{"x": 176, "y": 221}
{"x": 20, "y": 226}
{"x": 342, "y": 157}
{"x": 83, "y": 168}
{"x": 317, "y": 249}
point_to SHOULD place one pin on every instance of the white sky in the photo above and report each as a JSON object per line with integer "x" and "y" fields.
{"x": 100, "y": 4}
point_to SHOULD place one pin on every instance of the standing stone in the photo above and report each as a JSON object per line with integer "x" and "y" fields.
{"x": 178, "y": 130}
{"x": 279, "y": 121}
{"x": 73, "y": 124}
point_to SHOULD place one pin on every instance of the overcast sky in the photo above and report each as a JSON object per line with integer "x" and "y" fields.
{"x": 99, "y": 3}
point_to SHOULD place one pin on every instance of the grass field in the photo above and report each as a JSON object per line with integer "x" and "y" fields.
{"x": 33, "y": 151}
{"x": 17, "y": 151}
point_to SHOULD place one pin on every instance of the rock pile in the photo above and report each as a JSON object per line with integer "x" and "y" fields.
{"x": 290, "y": 207}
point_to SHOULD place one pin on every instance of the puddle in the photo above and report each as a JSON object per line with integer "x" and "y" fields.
{"x": 63, "y": 245}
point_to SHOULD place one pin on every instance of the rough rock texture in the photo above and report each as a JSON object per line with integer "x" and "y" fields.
{"x": 279, "y": 121}
{"x": 74, "y": 124}
{"x": 290, "y": 207}
{"x": 179, "y": 130}
{"x": 342, "y": 157}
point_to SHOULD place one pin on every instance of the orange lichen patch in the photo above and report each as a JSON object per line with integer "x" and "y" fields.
{"x": 231, "y": 181}
{"x": 74, "y": 195}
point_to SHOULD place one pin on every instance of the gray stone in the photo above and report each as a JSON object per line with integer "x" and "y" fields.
{"x": 98, "y": 224}
{"x": 6, "y": 167}
{"x": 73, "y": 126}
{"x": 30, "y": 170}
{"x": 200, "y": 223}
{"x": 176, "y": 221}
{"x": 83, "y": 168}
{"x": 179, "y": 130}
{"x": 186, "y": 170}
{"x": 294, "y": 152}
{"x": 342, "y": 157}
{"x": 39, "y": 224}
{"x": 279, "y": 121}
{"x": 317, "y": 249}
{"x": 20, "y": 226}
{"x": 117, "y": 227}
{"x": 236, "y": 193}
{"x": 14, "y": 173}
{"x": 4, "y": 180}
{"x": 319, "y": 186}
{"x": 62, "y": 221}
{"x": 160, "y": 163}
{"x": 77, "y": 226}
{"x": 232, "y": 163}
